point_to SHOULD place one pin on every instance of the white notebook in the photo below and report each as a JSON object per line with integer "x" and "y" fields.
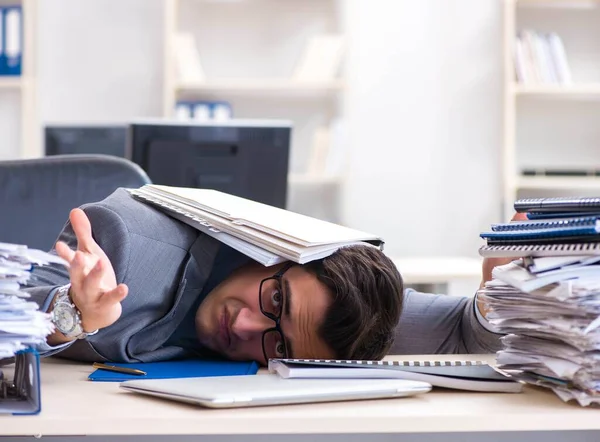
{"x": 265, "y": 233}
{"x": 460, "y": 375}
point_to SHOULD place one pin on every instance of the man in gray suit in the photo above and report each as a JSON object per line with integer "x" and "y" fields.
{"x": 142, "y": 286}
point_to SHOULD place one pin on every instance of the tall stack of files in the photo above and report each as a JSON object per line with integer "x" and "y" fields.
{"x": 22, "y": 327}
{"x": 267, "y": 234}
{"x": 547, "y": 301}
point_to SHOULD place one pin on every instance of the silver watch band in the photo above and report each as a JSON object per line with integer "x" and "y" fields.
{"x": 62, "y": 296}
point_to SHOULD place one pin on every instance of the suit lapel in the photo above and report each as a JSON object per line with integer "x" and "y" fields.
{"x": 146, "y": 344}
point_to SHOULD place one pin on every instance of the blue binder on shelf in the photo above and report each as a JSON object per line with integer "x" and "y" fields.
{"x": 20, "y": 394}
{"x": 187, "y": 368}
{"x": 11, "y": 44}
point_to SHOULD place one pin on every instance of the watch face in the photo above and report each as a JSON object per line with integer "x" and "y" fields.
{"x": 64, "y": 318}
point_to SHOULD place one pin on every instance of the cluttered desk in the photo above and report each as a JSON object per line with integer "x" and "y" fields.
{"x": 521, "y": 390}
{"x": 74, "y": 405}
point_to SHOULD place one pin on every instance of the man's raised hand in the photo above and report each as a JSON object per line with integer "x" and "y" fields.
{"x": 94, "y": 289}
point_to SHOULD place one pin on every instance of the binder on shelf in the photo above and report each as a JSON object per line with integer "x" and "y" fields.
{"x": 203, "y": 110}
{"x": 20, "y": 394}
{"x": 12, "y": 39}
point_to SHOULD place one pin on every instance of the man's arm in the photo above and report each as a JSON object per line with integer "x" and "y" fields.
{"x": 94, "y": 289}
{"x": 441, "y": 324}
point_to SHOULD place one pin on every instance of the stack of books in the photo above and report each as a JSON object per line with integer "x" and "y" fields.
{"x": 547, "y": 301}
{"x": 541, "y": 59}
{"x": 22, "y": 325}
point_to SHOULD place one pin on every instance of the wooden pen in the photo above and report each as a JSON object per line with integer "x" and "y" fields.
{"x": 125, "y": 370}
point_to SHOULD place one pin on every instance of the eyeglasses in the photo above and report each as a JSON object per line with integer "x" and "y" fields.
{"x": 270, "y": 296}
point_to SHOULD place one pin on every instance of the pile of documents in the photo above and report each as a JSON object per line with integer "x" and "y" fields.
{"x": 548, "y": 301}
{"x": 267, "y": 234}
{"x": 21, "y": 323}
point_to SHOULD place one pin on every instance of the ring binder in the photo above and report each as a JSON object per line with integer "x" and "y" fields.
{"x": 21, "y": 394}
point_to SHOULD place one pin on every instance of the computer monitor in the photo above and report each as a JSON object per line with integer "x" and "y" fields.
{"x": 246, "y": 158}
{"x": 85, "y": 139}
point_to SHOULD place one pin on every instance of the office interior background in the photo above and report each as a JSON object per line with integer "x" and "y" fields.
{"x": 427, "y": 130}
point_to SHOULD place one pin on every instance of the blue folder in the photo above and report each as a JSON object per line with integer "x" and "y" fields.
{"x": 177, "y": 369}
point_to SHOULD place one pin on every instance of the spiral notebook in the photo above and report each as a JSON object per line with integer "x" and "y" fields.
{"x": 584, "y": 233}
{"x": 580, "y": 221}
{"x": 560, "y": 204}
{"x": 538, "y": 250}
{"x": 459, "y": 375}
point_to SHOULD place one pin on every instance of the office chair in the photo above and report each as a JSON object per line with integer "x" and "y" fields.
{"x": 36, "y": 195}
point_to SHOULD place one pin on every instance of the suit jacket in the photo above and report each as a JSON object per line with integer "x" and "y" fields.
{"x": 164, "y": 262}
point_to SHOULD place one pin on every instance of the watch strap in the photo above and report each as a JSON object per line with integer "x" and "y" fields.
{"x": 63, "y": 296}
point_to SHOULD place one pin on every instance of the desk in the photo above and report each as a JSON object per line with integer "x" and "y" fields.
{"x": 458, "y": 275}
{"x": 74, "y": 406}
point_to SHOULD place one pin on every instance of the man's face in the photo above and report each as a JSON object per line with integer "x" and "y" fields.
{"x": 231, "y": 322}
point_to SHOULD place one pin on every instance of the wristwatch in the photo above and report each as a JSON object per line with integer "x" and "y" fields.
{"x": 66, "y": 317}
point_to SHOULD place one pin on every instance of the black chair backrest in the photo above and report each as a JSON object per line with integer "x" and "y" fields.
{"x": 36, "y": 195}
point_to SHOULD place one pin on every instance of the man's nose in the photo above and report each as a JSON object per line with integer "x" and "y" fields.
{"x": 249, "y": 324}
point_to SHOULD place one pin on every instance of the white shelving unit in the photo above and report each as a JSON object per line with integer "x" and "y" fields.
{"x": 24, "y": 85}
{"x": 248, "y": 50}
{"x": 541, "y": 117}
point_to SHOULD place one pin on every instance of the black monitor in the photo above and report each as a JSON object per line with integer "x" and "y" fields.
{"x": 246, "y": 158}
{"x": 85, "y": 139}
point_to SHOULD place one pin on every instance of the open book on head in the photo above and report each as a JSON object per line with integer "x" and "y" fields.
{"x": 460, "y": 375}
{"x": 265, "y": 233}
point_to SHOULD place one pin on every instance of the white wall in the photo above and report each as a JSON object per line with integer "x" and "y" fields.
{"x": 99, "y": 60}
{"x": 423, "y": 106}
{"x": 424, "y": 111}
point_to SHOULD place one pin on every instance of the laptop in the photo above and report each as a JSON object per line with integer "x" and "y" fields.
{"x": 271, "y": 389}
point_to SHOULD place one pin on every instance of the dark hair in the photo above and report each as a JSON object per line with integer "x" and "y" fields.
{"x": 367, "y": 294}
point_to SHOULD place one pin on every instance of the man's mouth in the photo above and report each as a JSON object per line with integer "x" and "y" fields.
{"x": 224, "y": 333}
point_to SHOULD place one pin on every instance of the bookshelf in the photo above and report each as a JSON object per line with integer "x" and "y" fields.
{"x": 23, "y": 86}
{"x": 550, "y": 125}
{"x": 249, "y": 52}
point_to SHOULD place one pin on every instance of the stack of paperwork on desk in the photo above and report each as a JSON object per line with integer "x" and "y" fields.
{"x": 267, "y": 234}
{"x": 21, "y": 323}
{"x": 548, "y": 301}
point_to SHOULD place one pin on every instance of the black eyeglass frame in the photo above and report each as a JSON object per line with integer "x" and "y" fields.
{"x": 275, "y": 318}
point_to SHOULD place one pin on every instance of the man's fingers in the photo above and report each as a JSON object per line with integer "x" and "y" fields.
{"x": 93, "y": 278}
{"x": 116, "y": 295}
{"x": 64, "y": 251}
{"x": 519, "y": 217}
{"x": 83, "y": 231}
{"x": 76, "y": 272}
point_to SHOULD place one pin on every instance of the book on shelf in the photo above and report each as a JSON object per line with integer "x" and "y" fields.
{"x": 267, "y": 234}
{"x": 540, "y": 58}
{"x": 321, "y": 59}
{"x": 460, "y": 375}
{"x": 187, "y": 58}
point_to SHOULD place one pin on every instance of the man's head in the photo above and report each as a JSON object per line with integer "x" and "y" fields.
{"x": 344, "y": 306}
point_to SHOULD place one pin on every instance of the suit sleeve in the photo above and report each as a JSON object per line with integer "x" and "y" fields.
{"x": 108, "y": 231}
{"x": 441, "y": 324}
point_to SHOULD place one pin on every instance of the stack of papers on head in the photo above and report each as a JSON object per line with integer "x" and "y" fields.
{"x": 548, "y": 305}
{"x": 21, "y": 323}
{"x": 266, "y": 234}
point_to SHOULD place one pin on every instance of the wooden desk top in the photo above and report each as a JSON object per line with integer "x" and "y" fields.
{"x": 72, "y": 405}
